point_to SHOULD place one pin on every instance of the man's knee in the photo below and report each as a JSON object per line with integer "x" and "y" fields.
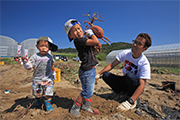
{"x": 132, "y": 79}
{"x": 105, "y": 76}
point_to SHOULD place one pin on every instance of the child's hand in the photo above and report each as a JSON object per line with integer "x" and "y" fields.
{"x": 27, "y": 64}
{"x": 54, "y": 75}
{"x": 98, "y": 47}
{"x": 24, "y": 59}
{"x": 89, "y": 33}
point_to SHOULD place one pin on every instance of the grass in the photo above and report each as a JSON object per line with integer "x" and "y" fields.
{"x": 69, "y": 70}
{"x": 69, "y": 55}
{"x": 9, "y": 61}
{"x": 72, "y": 67}
{"x": 165, "y": 70}
{"x": 104, "y": 64}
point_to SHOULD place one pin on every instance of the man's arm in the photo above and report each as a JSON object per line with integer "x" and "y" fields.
{"x": 106, "y": 69}
{"x": 109, "y": 67}
{"x": 126, "y": 105}
{"x": 139, "y": 90}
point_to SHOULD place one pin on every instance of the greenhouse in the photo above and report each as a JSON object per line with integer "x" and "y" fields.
{"x": 8, "y": 46}
{"x": 30, "y": 45}
{"x": 163, "y": 55}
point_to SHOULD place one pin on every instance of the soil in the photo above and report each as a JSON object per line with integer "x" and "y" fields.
{"x": 19, "y": 103}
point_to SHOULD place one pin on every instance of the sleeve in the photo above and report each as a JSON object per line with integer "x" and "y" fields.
{"x": 120, "y": 56}
{"x": 145, "y": 71}
{"x": 80, "y": 42}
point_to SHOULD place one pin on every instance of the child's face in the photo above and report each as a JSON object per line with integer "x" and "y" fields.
{"x": 43, "y": 47}
{"x": 76, "y": 31}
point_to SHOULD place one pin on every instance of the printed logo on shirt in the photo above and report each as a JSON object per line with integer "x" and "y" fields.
{"x": 130, "y": 67}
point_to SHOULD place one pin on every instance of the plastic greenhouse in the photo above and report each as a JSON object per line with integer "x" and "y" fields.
{"x": 8, "y": 46}
{"x": 29, "y": 44}
{"x": 163, "y": 55}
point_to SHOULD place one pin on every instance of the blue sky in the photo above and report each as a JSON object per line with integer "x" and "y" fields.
{"x": 124, "y": 20}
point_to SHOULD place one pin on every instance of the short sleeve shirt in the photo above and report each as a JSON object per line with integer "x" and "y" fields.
{"x": 85, "y": 53}
{"x": 140, "y": 66}
{"x": 42, "y": 67}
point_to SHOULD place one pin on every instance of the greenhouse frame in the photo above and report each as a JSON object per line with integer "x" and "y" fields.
{"x": 163, "y": 55}
{"x": 8, "y": 46}
{"x": 30, "y": 45}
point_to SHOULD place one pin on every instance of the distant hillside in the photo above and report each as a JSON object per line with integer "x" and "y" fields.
{"x": 105, "y": 48}
{"x": 115, "y": 46}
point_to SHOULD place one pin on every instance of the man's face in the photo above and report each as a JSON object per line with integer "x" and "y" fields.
{"x": 138, "y": 45}
{"x": 43, "y": 47}
{"x": 76, "y": 31}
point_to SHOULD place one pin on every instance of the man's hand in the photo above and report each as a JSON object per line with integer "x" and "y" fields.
{"x": 89, "y": 33}
{"x": 96, "y": 78}
{"x": 126, "y": 106}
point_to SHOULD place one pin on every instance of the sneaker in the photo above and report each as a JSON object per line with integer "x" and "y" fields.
{"x": 48, "y": 105}
{"x": 87, "y": 105}
{"x": 75, "y": 109}
{"x": 126, "y": 106}
{"x": 37, "y": 102}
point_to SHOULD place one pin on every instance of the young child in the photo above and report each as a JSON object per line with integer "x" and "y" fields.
{"x": 87, "y": 72}
{"x": 42, "y": 63}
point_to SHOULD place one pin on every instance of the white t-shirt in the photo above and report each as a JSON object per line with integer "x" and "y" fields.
{"x": 140, "y": 66}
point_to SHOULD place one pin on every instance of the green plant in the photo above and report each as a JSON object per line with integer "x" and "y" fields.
{"x": 9, "y": 61}
{"x": 165, "y": 70}
{"x": 101, "y": 56}
{"x": 69, "y": 70}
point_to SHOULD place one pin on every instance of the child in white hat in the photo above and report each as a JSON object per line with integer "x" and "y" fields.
{"x": 44, "y": 71}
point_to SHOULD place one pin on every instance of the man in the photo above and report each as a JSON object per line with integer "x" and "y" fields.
{"x": 135, "y": 72}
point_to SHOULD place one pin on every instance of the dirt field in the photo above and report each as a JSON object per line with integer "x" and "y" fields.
{"x": 15, "y": 105}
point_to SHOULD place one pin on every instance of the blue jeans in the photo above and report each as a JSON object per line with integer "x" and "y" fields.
{"x": 87, "y": 81}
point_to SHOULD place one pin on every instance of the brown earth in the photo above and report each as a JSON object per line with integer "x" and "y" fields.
{"x": 15, "y": 105}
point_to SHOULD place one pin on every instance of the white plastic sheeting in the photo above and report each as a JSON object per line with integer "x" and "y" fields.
{"x": 8, "y": 46}
{"x": 29, "y": 44}
{"x": 163, "y": 55}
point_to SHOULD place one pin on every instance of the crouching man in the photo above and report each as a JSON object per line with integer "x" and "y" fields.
{"x": 135, "y": 72}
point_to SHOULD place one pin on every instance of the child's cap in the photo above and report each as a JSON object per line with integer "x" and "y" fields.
{"x": 68, "y": 25}
{"x": 52, "y": 47}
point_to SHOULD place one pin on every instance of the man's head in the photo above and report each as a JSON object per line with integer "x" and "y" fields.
{"x": 44, "y": 44}
{"x": 143, "y": 42}
{"x": 147, "y": 37}
{"x": 73, "y": 29}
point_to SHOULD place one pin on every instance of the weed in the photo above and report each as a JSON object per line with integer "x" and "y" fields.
{"x": 69, "y": 70}
{"x": 165, "y": 70}
{"x": 9, "y": 61}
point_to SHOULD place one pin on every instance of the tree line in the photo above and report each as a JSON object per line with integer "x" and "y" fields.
{"x": 104, "y": 50}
